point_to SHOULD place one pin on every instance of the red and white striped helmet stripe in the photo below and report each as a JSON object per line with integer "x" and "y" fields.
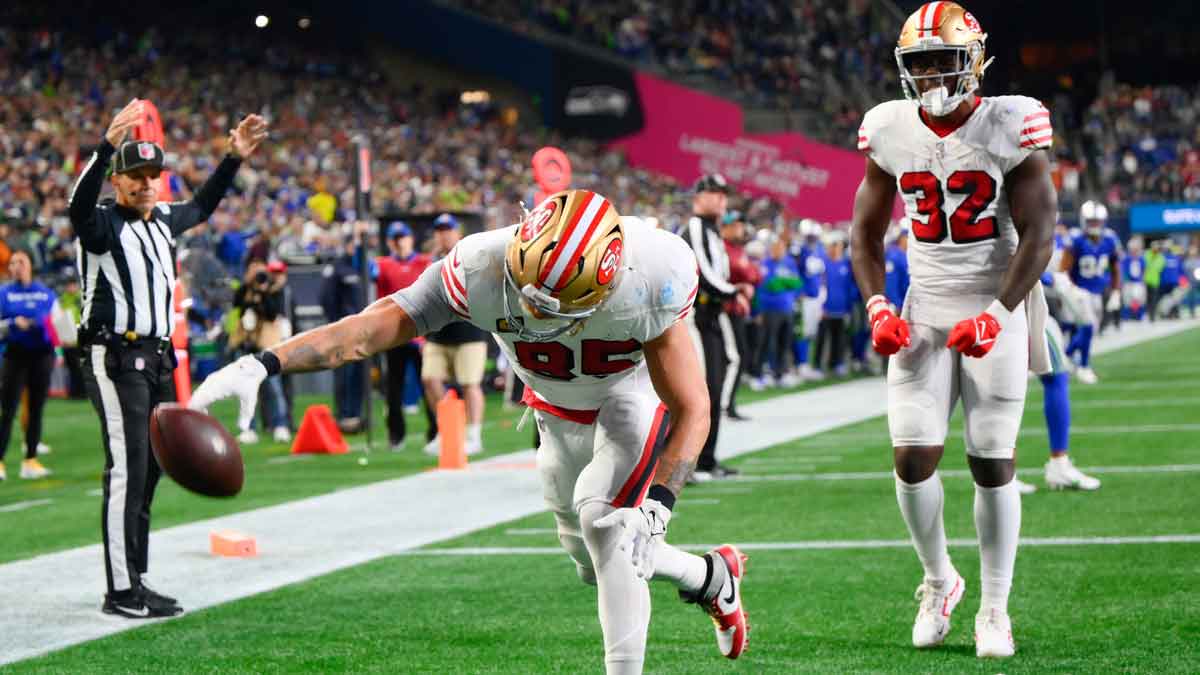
{"x": 931, "y": 16}
{"x": 573, "y": 241}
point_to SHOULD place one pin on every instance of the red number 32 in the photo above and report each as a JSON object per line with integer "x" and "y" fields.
{"x": 556, "y": 360}
{"x": 965, "y": 224}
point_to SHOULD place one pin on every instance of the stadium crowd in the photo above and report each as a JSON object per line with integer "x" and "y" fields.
{"x": 435, "y": 154}
{"x": 831, "y": 57}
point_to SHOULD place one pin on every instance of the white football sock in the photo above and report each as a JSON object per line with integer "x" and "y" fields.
{"x": 998, "y": 524}
{"x": 921, "y": 506}
{"x": 473, "y": 433}
{"x": 686, "y": 570}
{"x": 624, "y": 599}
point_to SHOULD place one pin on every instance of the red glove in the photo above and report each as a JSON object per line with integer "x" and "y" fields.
{"x": 889, "y": 333}
{"x": 976, "y": 337}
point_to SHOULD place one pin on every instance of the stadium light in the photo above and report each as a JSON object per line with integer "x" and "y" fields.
{"x": 261, "y": 20}
{"x": 304, "y": 22}
{"x": 479, "y": 96}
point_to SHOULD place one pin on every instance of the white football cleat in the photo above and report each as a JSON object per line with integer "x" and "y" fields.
{"x": 43, "y": 449}
{"x": 282, "y": 435}
{"x": 1086, "y": 376}
{"x": 31, "y": 469}
{"x": 932, "y": 624}
{"x": 248, "y": 437}
{"x": 473, "y": 448}
{"x": 993, "y": 635}
{"x": 728, "y": 615}
{"x": 433, "y": 448}
{"x": 1023, "y": 487}
{"x": 1062, "y": 475}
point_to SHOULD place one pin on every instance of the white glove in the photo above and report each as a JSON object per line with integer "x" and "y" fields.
{"x": 642, "y": 529}
{"x": 240, "y": 378}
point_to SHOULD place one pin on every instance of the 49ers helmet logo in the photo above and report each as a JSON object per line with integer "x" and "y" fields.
{"x": 972, "y": 22}
{"x": 146, "y": 150}
{"x": 609, "y": 263}
{"x": 537, "y": 220}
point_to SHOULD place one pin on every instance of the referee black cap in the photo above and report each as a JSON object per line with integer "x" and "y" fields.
{"x": 137, "y": 154}
{"x": 711, "y": 182}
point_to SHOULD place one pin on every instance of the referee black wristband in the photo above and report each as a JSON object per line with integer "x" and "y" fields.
{"x": 270, "y": 362}
{"x": 662, "y": 495}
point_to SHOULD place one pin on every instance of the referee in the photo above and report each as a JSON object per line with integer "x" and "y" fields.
{"x": 713, "y": 333}
{"x": 126, "y": 258}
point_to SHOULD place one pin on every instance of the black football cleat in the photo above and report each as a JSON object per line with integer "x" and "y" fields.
{"x": 140, "y": 605}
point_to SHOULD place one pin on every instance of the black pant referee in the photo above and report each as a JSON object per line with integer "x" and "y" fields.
{"x": 126, "y": 249}
{"x": 702, "y": 233}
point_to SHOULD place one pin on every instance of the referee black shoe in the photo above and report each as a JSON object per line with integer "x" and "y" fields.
{"x": 140, "y": 605}
{"x": 158, "y": 597}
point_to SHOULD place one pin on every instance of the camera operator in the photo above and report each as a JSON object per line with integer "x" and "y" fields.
{"x": 264, "y": 324}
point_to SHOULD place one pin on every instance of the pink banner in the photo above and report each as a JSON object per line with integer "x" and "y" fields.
{"x": 688, "y": 133}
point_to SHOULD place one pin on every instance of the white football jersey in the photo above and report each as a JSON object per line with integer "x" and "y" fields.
{"x": 655, "y": 288}
{"x": 953, "y": 187}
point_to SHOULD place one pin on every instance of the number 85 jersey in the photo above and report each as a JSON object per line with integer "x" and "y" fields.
{"x": 952, "y": 182}
{"x": 574, "y": 374}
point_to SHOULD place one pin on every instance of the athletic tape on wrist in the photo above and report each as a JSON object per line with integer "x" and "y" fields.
{"x": 270, "y": 362}
{"x": 662, "y": 495}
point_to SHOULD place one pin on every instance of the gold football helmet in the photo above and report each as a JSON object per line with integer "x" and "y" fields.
{"x": 561, "y": 263}
{"x": 942, "y": 27}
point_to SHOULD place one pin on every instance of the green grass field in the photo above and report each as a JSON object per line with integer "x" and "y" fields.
{"x": 1076, "y": 608}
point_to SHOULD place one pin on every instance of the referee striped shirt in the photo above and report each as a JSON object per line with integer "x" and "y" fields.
{"x": 126, "y": 262}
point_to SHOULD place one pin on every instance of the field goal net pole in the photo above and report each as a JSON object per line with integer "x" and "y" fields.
{"x": 362, "y": 212}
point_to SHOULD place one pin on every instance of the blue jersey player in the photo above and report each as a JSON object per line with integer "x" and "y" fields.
{"x": 1133, "y": 281}
{"x": 810, "y": 260}
{"x": 1090, "y": 258}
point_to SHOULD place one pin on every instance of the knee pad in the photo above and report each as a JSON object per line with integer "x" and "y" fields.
{"x": 571, "y": 537}
{"x": 992, "y": 433}
{"x": 601, "y": 542}
{"x": 914, "y": 421}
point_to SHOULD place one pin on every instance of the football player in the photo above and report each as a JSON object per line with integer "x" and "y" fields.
{"x": 1133, "y": 280}
{"x": 975, "y": 181}
{"x": 810, "y": 259}
{"x": 1090, "y": 257}
{"x": 589, "y": 309}
{"x": 1061, "y": 473}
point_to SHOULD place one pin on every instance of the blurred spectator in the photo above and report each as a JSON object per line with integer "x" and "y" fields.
{"x": 25, "y": 307}
{"x": 457, "y": 352}
{"x": 839, "y": 301}
{"x": 777, "y": 293}
{"x": 397, "y": 271}
{"x": 343, "y": 293}
{"x": 263, "y": 324}
{"x": 741, "y": 271}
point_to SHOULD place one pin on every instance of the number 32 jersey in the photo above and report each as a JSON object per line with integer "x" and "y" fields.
{"x": 952, "y": 184}
{"x": 574, "y": 374}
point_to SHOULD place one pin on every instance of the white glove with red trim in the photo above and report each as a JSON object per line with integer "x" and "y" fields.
{"x": 642, "y": 529}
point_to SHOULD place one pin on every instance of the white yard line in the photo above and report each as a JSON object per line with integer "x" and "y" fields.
{"x": 306, "y": 538}
{"x": 826, "y": 545}
{"x": 21, "y": 506}
{"x": 949, "y": 473}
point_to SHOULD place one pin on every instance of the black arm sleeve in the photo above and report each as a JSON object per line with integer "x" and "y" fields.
{"x": 182, "y": 216}
{"x": 711, "y": 281}
{"x": 82, "y": 209}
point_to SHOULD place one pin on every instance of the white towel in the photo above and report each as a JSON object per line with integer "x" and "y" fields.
{"x": 1036, "y": 314}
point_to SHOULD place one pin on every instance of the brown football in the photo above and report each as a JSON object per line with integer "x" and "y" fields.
{"x": 195, "y": 449}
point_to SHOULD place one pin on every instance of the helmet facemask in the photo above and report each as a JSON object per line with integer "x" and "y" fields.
{"x": 541, "y": 318}
{"x": 950, "y": 87}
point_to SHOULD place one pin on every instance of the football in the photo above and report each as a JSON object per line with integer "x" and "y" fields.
{"x": 195, "y": 450}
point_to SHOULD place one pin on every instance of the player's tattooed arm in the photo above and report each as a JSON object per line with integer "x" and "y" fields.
{"x": 872, "y": 214}
{"x": 1034, "y": 205}
{"x": 675, "y": 372}
{"x": 377, "y": 328}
